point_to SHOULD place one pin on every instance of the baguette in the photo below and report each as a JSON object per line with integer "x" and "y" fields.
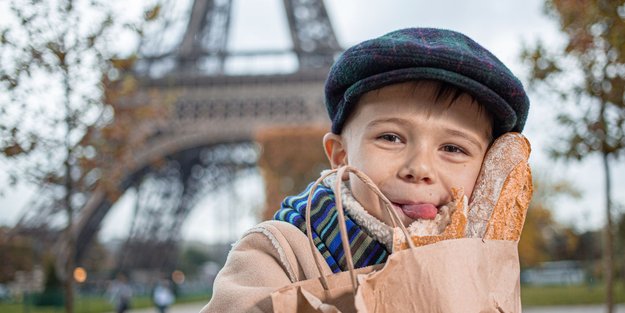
{"x": 498, "y": 205}
{"x": 503, "y": 191}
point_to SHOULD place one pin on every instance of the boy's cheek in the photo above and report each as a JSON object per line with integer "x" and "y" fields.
{"x": 473, "y": 179}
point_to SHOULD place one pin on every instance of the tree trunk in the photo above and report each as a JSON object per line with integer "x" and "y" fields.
{"x": 69, "y": 262}
{"x": 609, "y": 238}
{"x": 67, "y": 164}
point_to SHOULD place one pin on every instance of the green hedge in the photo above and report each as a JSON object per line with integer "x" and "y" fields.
{"x": 569, "y": 295}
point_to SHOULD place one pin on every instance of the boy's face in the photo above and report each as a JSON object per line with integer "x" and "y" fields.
{"x": 413, "y": 148}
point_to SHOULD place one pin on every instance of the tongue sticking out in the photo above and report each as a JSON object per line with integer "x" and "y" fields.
{"x": 419, "y": 211}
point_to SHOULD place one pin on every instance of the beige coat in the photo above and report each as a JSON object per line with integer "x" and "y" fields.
{"x": 269, "y": 256}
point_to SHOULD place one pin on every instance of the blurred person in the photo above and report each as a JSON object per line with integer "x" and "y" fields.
{"x": 120, "y": 293}
{"x": 163, "y": 296}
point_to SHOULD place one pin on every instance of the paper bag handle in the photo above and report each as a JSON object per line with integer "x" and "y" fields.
{"x": 388, "y": 206}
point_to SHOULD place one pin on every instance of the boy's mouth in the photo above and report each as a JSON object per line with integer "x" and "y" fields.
{"x": 426, "y": 211}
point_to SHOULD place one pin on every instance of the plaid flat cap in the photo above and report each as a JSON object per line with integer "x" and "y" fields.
{"x": 426, "y": 53}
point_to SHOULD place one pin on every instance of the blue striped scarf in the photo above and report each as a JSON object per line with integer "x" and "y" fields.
{"x": 326, "y": 235}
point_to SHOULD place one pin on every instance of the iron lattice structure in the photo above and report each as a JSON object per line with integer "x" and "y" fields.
{"x": 207, "y": 140}
{"x": 167, "y": 194}
{"x": 203, "y": 48}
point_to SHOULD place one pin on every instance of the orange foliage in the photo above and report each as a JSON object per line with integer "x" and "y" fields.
{"x": 134, "y": 122}
{"x": 291, "y": 158}
{"x": 533, "y": 246}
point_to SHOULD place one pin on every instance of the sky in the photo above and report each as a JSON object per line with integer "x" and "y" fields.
{"x": 503, "y": 27}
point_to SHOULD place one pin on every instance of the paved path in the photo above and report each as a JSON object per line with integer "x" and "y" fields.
{"x": 177, "y": 308}
{"x": 196, "y": 307}
{"x": 574, "y": 309}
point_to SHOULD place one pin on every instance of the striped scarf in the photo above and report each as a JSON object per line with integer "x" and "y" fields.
{"x": 326, "y": 235}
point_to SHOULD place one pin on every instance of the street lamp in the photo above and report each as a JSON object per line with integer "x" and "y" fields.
{"x": 80, "y": 275}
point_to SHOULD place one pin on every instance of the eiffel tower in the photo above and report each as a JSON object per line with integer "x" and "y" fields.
{"x": 208, "y": 138}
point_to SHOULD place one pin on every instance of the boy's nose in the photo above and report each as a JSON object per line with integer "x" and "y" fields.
{"x": 418, "y": 169}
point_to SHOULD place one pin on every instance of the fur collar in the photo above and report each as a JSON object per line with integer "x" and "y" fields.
{"x": 374, "y": 227}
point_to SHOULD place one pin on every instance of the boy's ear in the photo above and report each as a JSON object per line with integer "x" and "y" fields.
{"x": 334, "y": 147}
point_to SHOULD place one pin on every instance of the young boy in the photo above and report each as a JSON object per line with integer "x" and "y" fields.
{"x": 416, "y": 111}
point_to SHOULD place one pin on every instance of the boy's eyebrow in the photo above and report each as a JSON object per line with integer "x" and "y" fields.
{"x": 395, "y": 120}
{"x": 454, "y": 132}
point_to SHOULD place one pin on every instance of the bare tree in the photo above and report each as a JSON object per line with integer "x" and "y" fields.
{"x": 588, "y": 75}
{"x": 55, "y": 54}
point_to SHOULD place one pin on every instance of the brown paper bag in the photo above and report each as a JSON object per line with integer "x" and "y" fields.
{"x": 310, "y": 295}
{"x": 459, "y": 275}
{"x": 462, "y": 275}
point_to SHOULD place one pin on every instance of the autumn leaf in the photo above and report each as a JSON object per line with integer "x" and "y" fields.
{"x": 13, "y": 150}
{"x": 153, "y": 13}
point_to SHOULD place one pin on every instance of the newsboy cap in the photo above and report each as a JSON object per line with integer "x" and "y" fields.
{"x": 426, "y": 53}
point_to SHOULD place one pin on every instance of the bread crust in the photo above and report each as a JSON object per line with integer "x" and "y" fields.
{"x": 498, "y": 208}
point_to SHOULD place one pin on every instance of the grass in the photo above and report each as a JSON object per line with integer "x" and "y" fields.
{"x": 92, "y": 305}
{"x": 569, "y": 295}
{"x": 530, "y": 296}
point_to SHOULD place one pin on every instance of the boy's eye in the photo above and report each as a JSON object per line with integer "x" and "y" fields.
{"x": 390, "y": 138}
{"x": 452, "y": 149}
